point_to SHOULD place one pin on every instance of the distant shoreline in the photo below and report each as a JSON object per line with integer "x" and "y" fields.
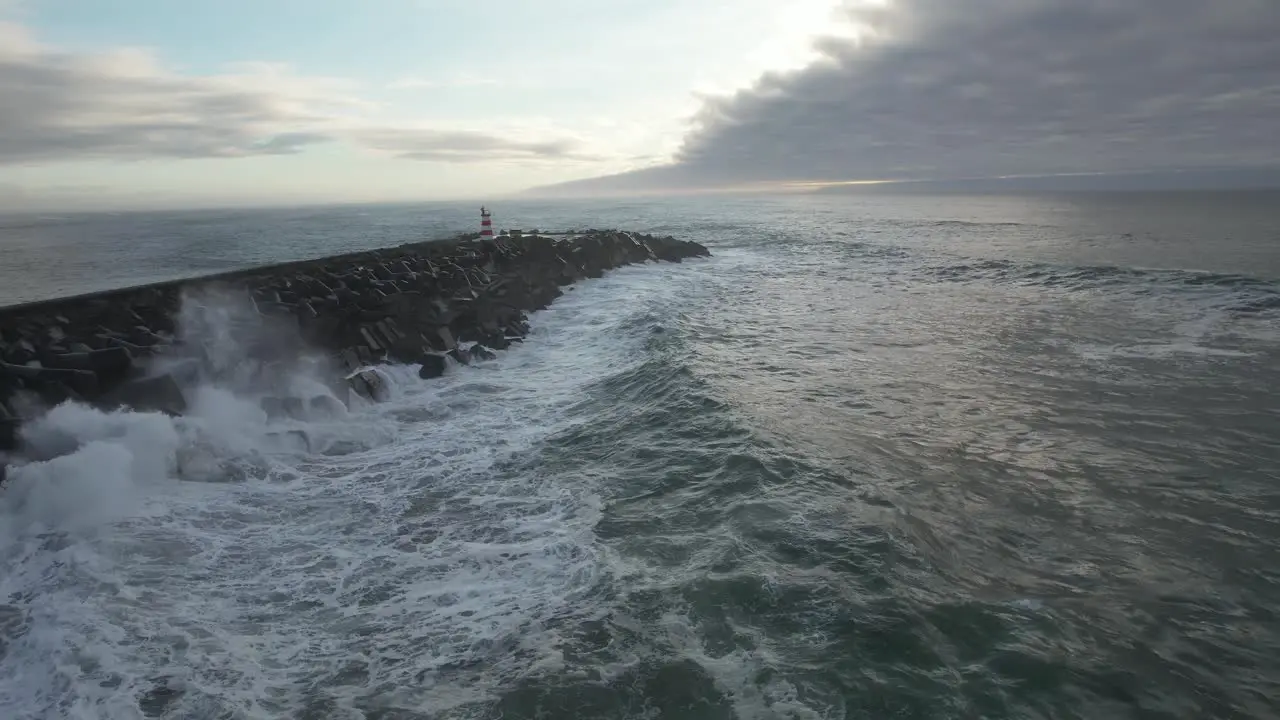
{"x": 667, "y": 180}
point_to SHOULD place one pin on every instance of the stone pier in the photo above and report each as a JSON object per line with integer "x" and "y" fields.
{"x": 436, "y": 304}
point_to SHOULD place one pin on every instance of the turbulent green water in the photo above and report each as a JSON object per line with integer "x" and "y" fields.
{"x": 877, "y": 458}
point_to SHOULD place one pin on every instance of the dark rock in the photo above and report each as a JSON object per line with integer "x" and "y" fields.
{"x": 186, "y": 373}
{"x": 446, "y": 339}
{"x": 283, "y": 407}
{"x": 461, "y": 356}
{"x": 157, "y": 701}
{"x": 144, "y": 337}
{"x": 24, "y": 372}
{"x": 265, "y": 295}
{"x": 272, "y": 406}
{"x": 68, "y": 361}
{"x": 152, "y": 394}
{"x": 370, "y": 385}
{"x": 407, "y": 350}
{"x": 359, "y": 386}
{"x": 388, "y": 331}
{"x": 516, "y": 329}
{"x": 480, "y": 352}
{"x": 8, "y": 432}
{"x": 294, "y": 407}
{"x": 433, "y": 366}
{"x": 325, "y": 406}
{"x": 111, "y": 365}
{"x": 52, "y": 393}
{"x": 299, "y": 439}
{"x": 80, "y": 382}
{"x": 370, "y": 340}
{"x": 135, "y": 349}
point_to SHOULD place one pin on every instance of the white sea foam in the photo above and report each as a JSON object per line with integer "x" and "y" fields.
{"x": 349, "y": 557}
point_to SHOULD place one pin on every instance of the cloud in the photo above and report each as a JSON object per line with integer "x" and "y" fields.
{"x": 467, "y": 146}
{"x": 964, "y": 88}
{"x": 122, "y": 105}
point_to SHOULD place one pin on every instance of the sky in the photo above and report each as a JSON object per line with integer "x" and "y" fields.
{"x": 152, "y": 103}
{"x": 248, "y": 101}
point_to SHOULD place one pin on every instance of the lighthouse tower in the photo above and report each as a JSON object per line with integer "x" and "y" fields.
{"x": 486, "y": 225}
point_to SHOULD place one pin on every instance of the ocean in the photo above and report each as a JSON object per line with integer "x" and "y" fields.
{"x": 879, "y": 457}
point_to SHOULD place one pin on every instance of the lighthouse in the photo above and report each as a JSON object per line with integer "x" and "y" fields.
{"x": 486, "y": 225}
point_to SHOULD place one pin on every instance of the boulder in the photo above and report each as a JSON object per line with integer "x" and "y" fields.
{"x": 134, "y": 349}
{"x": 433, "y": 366}
{"x": 297, "y": 439}
{"x": 370, "y": 385}
{"x": 283, "y": 407}
{"x": 111, "y": 364}
{"x": 272, "y": 406}
{"x": 8, "y": 432}
{"x": 407, "y": 349}
{"x": 151, "y": 394}
{"x": 480, "y": 352}
{"x": 144, "y": 337}
{"x": 294, "y": 407}
{"x": 359, "y": 386}
{"x": 81, "y": 382}
{"x": 446, "y": 338}
{"x": 370, "y": 340}
{"x": 325, "y": 406}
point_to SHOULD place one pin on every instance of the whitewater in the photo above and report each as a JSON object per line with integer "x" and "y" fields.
{"x": 210, "y": 565}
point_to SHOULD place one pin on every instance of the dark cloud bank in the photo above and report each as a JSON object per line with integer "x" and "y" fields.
{"x": 951, "y": 90}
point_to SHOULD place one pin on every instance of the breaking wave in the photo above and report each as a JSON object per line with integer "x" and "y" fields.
{"x": 229, "y": 563}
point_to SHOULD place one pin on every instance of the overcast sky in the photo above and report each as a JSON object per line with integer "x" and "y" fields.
{"x": 286, "y": 100}
{"x": 145, "y": 102}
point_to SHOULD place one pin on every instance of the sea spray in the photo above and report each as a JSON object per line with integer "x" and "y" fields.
{"x": 98, "y": 465}
{"x": 223, "y": 340}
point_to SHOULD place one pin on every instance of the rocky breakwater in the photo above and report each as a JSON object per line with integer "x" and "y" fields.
{"x": 436, "y": 304}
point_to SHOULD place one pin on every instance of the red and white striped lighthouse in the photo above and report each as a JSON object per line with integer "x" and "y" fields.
{"x": 486, "y": 224}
